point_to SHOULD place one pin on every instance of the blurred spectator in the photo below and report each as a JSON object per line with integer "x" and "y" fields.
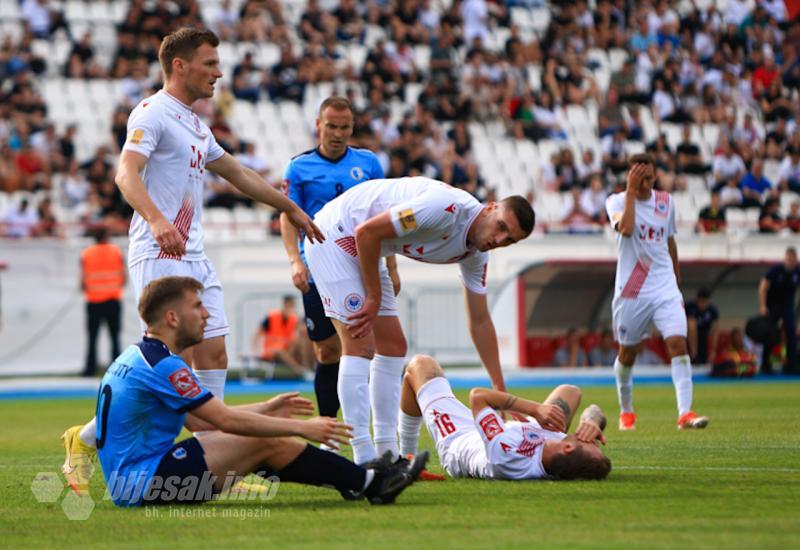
{"x": 74, "y": 187}
{"x": 247, "y": 79}
{"x": 81, "y": 62}
{"x": 48, "y": 224}
{"x": 712, "y": 217}
{"x": 574, "y": 215}
{"x": 776, "y": 300}
{"x": 286, "y": 81}
{"x": 736, "y": 361}
{"x": 755, "y": 185}
{"x": 593, "y": 200}
{"x": 703, "y": 328}
{"x": 21, "y": 221}
{"x": 789, "y": 171}
{"x": 727, "y": 165}
{"x": 730, "y": 194}
{"x": 689, "y": 158}
{"x": 250, "y": 159}
{"x": 793, "y": 218}
{"x": 571, "y": 354}
{"x": 770, "y": 221}
{"x": 223, "y": 21}
{"x": 41, "y": 20}
{"x": 604, "y": 353}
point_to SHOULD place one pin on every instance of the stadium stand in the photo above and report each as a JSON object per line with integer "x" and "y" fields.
{"x": 538, "y": 83}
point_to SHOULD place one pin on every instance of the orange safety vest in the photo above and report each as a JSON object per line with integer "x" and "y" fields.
{"x": 103, "y": 273}
{"x": 279, "y": 334}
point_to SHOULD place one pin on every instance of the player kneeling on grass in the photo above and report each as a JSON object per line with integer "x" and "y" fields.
{"x": 149, "y": 393}
{"x": 478, "y": 443}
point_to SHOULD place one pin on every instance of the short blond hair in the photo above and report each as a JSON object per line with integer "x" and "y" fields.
{"x": 161, "y": 294}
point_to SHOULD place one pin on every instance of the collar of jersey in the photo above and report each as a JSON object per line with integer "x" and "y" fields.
{"x": 329, "y": 159}
{"x": 176, "y": 100}
{"x": 150, "y": 340}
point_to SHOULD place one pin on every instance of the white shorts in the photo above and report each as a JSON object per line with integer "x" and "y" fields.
{"x": 632, "y": 318}
{"x": 451, "y": 425}
{"x": 337, "y": 275}
{"x": 149, "y": 269}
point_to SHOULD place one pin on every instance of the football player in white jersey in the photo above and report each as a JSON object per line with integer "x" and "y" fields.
{"x": 479, "y": 443}
{"x": 646, "y": 288}
{"x": 161, "y": 173}
{"x": 425, "y": 220}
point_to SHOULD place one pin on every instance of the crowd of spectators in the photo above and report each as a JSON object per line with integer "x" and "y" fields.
{"x": 737, "y": 70}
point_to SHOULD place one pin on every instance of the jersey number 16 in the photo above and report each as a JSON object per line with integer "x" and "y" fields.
{"x": 445, "y": 426}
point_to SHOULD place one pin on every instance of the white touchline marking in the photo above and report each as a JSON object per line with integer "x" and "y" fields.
{"x": 708, "y": 469}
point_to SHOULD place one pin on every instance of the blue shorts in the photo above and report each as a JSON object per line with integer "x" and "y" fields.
{"x": 319, "y": 327}
{"x": 182, "y": 477}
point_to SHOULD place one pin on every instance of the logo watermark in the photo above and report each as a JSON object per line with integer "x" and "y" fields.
{"x": 141, "y": 489}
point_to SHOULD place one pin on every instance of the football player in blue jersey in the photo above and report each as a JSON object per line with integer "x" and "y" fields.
{"x": 149, "y": 394}
{"x": 311, "y": 180}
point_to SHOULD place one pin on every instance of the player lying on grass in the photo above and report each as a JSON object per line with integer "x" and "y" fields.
{"x": 478, "y": 443}
{"x": 149, "y": 394}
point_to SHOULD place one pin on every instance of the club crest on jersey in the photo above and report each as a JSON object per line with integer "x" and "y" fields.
{"x": 356, "y": 173}
{"x": 310, "y": 324}
{"x": 353, "y": 302}
{"x": 184, "y": 383}
{"x": 530, "y": 442}
{"x": 662, "y": 204}
{"x": 407, "y": 219}
{"x": 179, "y": 453}
{"x": 490, "y": 426}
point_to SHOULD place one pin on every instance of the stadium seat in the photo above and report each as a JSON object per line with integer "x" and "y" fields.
{"x": 534, "y": 77}
{"x": 771, "y": 170}
{"x": 616, "y": 58}
{"x": 787, "y": 198}
{"x": 9, "y": 10}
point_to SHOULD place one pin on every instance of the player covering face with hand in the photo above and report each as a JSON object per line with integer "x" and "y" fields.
{"x": 646, "y": 288}
{"x": 477, "y": 442}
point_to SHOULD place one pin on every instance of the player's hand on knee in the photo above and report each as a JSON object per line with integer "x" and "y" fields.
{"x": 589, "y": 432}
{"x": 551, "y": 417}
{"x": 168, "y": 237}
{"x": 287, "y": 405}
{"x": 300, "y": 276}
{"x": 327, "y": 430}
{"x": 363, "y": 320}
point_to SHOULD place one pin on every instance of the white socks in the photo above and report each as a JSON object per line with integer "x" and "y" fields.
{"x": 89, "y": 433}
{"x": 353, "y": 389}
{"x": 213, "y": 381}
{"x": 682, "y": 379}
{"x": 409, "y": 433}
{"x": 385, "y": 383}
{"x": 624, "y": 376}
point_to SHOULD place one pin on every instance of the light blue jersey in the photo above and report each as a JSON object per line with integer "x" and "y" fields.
{"x": 312, "y": 180}
{"x": 141, "y": 409}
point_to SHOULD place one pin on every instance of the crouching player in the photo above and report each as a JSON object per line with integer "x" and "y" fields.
{"x": 149, "y": 393}
{"x": 478, "y": 443}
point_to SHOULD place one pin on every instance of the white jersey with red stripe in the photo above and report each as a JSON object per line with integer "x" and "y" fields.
{"x": 644, "y": 266}
{"x": 431, "y": 220}
{"x": 177, "y": 145}
{"x": 503, "y": 450}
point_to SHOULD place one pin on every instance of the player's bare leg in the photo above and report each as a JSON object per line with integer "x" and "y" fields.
{"x": 385, "y": 379}
{"x": 420, "y": 370}
{"x": 568, "y": 399}
{"x": 623, "y": 372}
{"x": 353, "y": 389}
{"x": 682, "y": 379}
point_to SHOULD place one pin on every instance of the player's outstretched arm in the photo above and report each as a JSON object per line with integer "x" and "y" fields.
{"x": 251, "y": 184}
{"x": 284, "y": 405}
{"x": 673, "y": 253}
{"x": 130, "y": 184}
{"x": 550, "y": 417}
{"x": 591, "y": 426}
{"x": 484, "y": 336}
{"x": 248, "y": 423}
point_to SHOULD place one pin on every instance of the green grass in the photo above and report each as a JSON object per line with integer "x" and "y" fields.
{"x": 736, "y": 484}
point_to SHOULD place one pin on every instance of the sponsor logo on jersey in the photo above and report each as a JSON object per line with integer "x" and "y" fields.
{"x": 490, "y": 426}
{"x": 353, "y": 302}
{"x": 184, "y": 383}
{"x": 407, "y": 219}
{"x": 136, "y": 136}
{"x": 179, "y": 453}
{"x": 356, "y": 173}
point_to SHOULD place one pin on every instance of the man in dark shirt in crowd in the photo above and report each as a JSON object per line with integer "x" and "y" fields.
{"x": 712, "y": 217}
{"x": 702, "y": 319}
{"x": 776, "y": 299}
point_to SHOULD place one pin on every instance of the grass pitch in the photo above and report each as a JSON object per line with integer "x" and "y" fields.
{"x": 735, "y": 484}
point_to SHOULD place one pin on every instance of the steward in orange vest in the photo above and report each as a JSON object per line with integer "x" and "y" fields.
{"x": 278, "y": 334}
{"x": 102, "y": 283}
